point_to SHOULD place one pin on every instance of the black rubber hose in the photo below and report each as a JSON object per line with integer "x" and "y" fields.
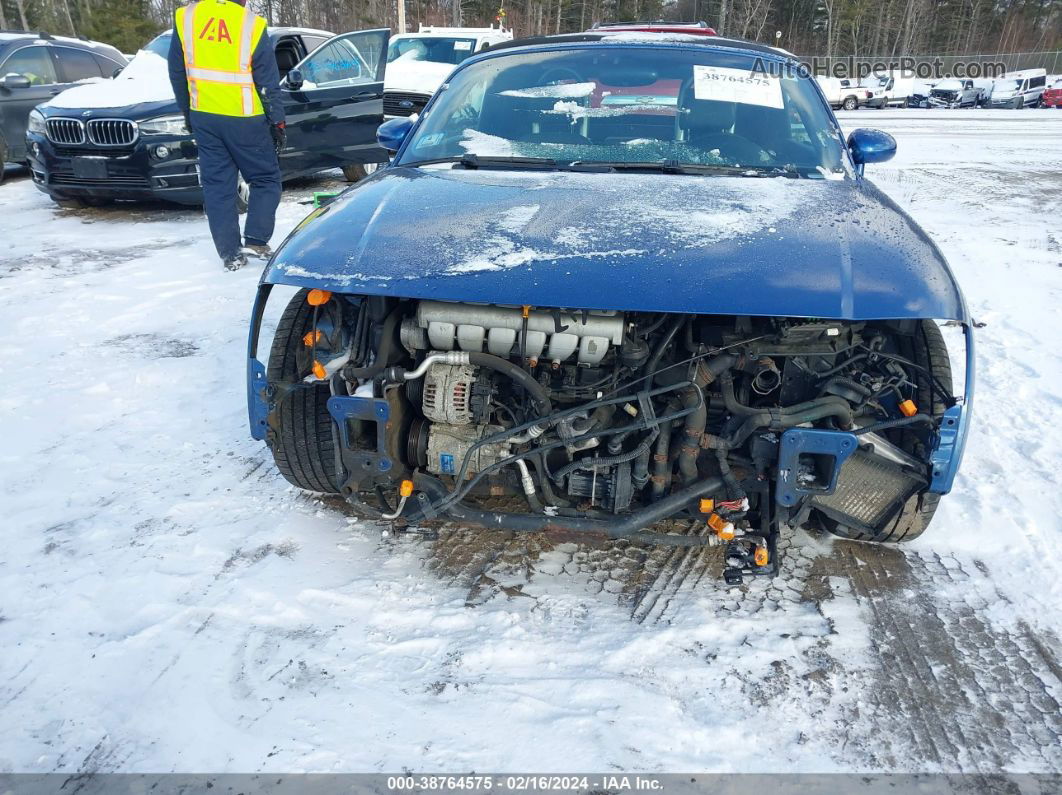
{"x": 539, "y": 397}
{"x": 383, "y": 354}
{"x": 693, "y": 397}
{"x": 628, "y": 525}
{"x": 640, "y": 472}
{"x": 539, "y": 463}
{"x": 897, "y": 423}
{"x": 848, "y": 383}
{"x": 726, "y": 384}
{"x": 850, "y": 360}
{"x": 733, "y": 486}
{"x": 658, "y": 353}
{"x": 661, "y": 462}
{"x": 606, "y": 461}
{"x": 778, "y": 419}
{"x": 598, "y": 418}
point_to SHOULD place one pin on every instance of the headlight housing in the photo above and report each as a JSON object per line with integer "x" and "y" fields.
{"x": 164, "y": 125}
{"x": 35, "y": 124}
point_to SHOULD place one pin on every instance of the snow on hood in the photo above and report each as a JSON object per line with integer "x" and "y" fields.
{"x": 145, "y": 79}
{"x": 650, "y": 242}
{"x": 422, "y": 77}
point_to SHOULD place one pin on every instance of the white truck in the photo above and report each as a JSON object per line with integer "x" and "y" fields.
{"x": 418, "y": 63}
{"x": 843, "y": 92}
{"x": 955, "y": 93}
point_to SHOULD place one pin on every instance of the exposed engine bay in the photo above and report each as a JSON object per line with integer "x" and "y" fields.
{"x": 610, "y": 422}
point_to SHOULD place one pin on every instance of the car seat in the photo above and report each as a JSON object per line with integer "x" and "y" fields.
{"x": 769, "y": 128}
{"x": 708, "y": 124}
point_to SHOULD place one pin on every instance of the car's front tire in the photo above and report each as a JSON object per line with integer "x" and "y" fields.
{"x": 359, "y": 171}
{"x": 302, "y": 443}
{"x": 79, "y": 202}
{"x": 926, "y": 349}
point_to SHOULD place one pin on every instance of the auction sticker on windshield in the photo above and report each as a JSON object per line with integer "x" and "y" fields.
{"x": 724, "y": 84}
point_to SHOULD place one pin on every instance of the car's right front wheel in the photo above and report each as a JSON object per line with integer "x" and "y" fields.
{"x": 927, "y": 350}
{"x": 302, "y": 441}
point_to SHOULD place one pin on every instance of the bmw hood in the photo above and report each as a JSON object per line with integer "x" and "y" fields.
{"x": 638, "y": 242}
{"x": 145, "y": 80}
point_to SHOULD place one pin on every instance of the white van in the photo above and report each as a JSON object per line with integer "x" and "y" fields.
{"x": 1018, "y": 89}
{"x": 418, "y": 63}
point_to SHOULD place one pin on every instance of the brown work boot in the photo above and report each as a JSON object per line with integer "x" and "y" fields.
{"x": 235, "y": 262}
{"x": 259, "y": 250}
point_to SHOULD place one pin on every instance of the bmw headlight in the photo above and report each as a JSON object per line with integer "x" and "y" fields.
{"x": 164, "y": 125}
{"x": 36, "y": 122}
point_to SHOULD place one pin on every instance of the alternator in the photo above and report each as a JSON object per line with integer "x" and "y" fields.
{"x": 447, "y": 394}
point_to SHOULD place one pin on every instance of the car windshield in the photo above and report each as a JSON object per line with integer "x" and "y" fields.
{"x": 160, "y": 45}
{"x": 436, "y": 49}
{"x": 631, "y": 107}
{"x": 1007, "y": 85}
{"x": 949, "y": 85}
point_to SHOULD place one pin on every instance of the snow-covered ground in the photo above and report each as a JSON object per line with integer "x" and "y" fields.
{"x": 169, "y": 603}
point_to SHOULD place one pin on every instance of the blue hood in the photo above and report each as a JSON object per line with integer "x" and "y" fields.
{"x": 649, "y": 242}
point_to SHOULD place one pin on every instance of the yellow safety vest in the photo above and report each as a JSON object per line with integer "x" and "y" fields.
{"x": 218, "y": 38}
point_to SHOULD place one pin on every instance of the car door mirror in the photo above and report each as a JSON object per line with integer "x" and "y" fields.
{"x": 392, "y": 133}
{"x": 294, "y": 79}
{"x": 117, "y": 72}
{"x": 871, "y": 146}
{"x": 13, "y": 81}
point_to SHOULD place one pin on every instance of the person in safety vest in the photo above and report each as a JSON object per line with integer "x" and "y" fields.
{"x": 225, "y": 78}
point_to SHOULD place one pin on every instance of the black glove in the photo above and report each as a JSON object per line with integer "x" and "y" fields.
{"x": 279, "y": 134}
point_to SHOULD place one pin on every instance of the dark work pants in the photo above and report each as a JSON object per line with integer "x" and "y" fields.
{"x": 228, "y": 144}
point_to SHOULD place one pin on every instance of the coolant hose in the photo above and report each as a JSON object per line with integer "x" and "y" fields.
{"x": 605, "y": 461}
{"x": 628, "y": 525}
{"x": 779, "y": 419}
{"x": 705, "y": 373}
{"x": 658, "y": 353}
{"x": 899, "y": 422}
{"x": 539, "y": 397}
{"x": 661, "y": 461}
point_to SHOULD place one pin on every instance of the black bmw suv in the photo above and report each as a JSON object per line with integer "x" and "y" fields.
{"x": 34, "y": 67}
{"x": 126, "y": 139}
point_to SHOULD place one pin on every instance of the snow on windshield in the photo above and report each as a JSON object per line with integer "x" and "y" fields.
{"x": 145, "y": 79}
{"x": 691, "y": 107}
{"x": 559, "y": 90}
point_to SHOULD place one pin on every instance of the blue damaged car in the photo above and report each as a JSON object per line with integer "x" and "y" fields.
{"x": 625, "y": 284}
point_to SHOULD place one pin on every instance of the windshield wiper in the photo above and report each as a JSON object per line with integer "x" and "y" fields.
{"x": 474, "y": 161}
{"x": 675, "y": 167}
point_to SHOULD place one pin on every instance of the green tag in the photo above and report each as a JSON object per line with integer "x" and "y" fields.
{"x": 323, "y": 197}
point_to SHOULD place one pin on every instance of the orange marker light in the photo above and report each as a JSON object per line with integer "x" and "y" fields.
{"x": 908, "y": 408}
{"x": 318, "y": 297}
{"x": 707, "y": 506}
{"x": 311, "y": 338}
{"x": 320, "y": 371}
{"x": 406, "y": 488}
{"x": 722, "y": 528}
{"x": 760, "y": 556}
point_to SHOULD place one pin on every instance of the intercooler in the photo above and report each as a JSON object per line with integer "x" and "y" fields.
{"x": 871, "y": 490}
